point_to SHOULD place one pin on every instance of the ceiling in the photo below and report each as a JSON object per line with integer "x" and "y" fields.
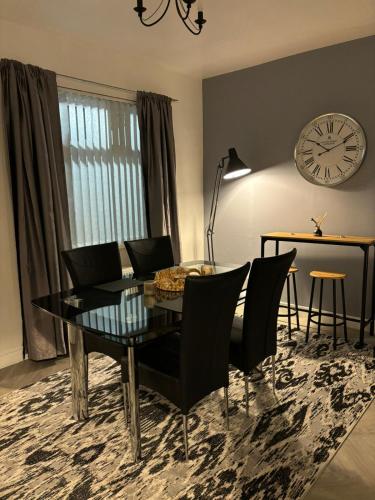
{"x": 238, "y": 33}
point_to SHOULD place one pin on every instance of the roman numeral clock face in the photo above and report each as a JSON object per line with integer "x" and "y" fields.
{"x": 330, "y": 149}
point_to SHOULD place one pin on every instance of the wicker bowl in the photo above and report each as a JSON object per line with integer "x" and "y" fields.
{"x": 173, "y": 279}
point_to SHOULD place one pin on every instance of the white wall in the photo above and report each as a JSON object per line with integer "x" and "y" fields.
{"x": 67, "y": 54}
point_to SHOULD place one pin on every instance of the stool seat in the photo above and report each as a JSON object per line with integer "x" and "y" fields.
{"x": 323, "y": 275}
{"x": 293, "y": 269}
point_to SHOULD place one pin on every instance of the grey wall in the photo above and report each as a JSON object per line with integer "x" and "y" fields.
{"x": 261, "y": 111}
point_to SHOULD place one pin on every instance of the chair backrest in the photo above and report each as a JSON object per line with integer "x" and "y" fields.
{"x": 264, "y": 289}
{"x": 149, "y": 255}
{"x": 208, "y": 311}
{"x": 93, "y": 265}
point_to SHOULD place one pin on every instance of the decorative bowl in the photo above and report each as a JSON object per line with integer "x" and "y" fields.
{"x": 173, "y": 279}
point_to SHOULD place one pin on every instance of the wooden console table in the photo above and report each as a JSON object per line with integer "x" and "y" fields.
{"x": 364, "y": 243}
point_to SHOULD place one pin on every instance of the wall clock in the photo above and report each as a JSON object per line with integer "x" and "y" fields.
{"x": 330, "y": 149}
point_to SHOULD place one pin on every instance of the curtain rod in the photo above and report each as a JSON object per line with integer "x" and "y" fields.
{"x": 102, "y": 84}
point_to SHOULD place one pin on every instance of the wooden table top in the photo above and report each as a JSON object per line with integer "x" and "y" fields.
{"x": 326, "y": 238}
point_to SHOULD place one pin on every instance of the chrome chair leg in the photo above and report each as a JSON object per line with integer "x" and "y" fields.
{"x": 247, "y": 394}
{"x": 125, "y": 394}
{"x": 226, "y": 401}
{"x": 184, "y": 425}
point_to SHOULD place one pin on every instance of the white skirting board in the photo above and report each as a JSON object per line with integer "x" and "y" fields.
{"x": 10, "y": 357}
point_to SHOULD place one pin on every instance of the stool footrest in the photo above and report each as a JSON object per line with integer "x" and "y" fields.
{"x": 323, "y": 324}
{"x": 293, "y": 312}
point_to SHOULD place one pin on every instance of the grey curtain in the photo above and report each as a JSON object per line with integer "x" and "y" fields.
{"x": 40, "y": 204}
{"x": 159, "y": 166}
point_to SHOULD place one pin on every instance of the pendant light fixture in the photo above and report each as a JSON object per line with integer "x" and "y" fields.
{"x": 183, "y": 9}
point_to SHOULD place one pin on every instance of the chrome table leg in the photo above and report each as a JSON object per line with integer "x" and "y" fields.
{"x": 185, "y": 432}
{"x": 125, "y": 396}
{"x": 135, "y": 427}
{"x": 78, "y": 373}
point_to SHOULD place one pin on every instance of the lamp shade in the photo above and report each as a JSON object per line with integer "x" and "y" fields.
{"x": 235, "y": 167}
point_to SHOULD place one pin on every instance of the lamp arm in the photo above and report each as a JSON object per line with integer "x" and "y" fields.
{"x": 214, "y": 200}
{"x": 214, "y": 203}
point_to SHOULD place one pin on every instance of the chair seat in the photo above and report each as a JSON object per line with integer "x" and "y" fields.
{"x": 163, "y": 355}
{"x": 327, "y": 276}
{"x": 159, "y": 366}
{"x": 293, "y": 270}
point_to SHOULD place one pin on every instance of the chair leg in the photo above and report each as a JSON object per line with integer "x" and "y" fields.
{"x": 320, "y": 305}
{"x": 344, "y": 311}
{"x": 125, "y": 395}
{"x": 334, "y": 315}
{"x": 226, "y": 402}
{"x": 310, "y": 308}
{"x": 288, "y": 298}
{"x": 247, "y": 394}
{"x": 296, "y": 299}
{"x": 185, "y": 431}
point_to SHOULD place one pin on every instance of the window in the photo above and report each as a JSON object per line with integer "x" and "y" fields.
{"x": 103, "y": 169}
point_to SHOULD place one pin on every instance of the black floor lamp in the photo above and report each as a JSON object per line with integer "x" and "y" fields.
{"x": 235, "y": 168}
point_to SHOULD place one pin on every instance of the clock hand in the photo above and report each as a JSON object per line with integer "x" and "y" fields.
{"x": 335, "y": 146}
{"x": 318, "y": 143}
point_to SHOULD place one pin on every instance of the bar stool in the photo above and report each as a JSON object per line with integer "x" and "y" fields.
{"x": 292, "y": 311}
{"x": 322, "y": 276}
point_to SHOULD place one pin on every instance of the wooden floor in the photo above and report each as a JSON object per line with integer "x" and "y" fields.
{"x": 27, "y": 372}
{"x": 351, "y": 473}
{"x": 349, "y": 476}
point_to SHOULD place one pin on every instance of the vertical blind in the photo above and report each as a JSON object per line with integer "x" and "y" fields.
{"x": 103, "y": 169}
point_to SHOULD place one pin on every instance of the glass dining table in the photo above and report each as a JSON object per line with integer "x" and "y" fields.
{"x": 127, "y": 318}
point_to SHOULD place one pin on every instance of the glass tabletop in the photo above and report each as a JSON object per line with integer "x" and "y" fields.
{"x": 128, "y": 316}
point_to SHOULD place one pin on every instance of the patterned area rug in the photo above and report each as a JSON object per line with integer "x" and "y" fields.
{"x": 277, "y": 452}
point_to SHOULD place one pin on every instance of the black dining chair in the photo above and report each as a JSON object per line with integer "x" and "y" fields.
{"x": 90, "y": 266}
{"x": 149, "y": 255}
{"x": 188, "y": 366}
{"x": 93, "y": 265}
{"x": 254, "y": 339}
